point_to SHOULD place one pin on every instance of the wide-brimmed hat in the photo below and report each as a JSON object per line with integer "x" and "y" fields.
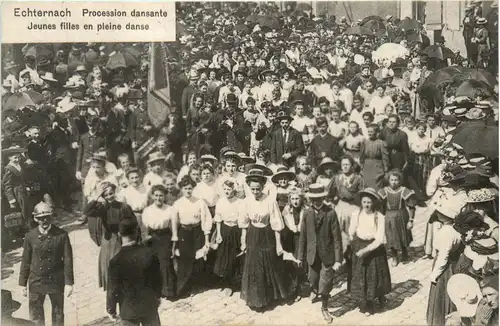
{"x": 42, "y": 209}
{"x": 316, "y": 190}
{"x": 245, "y": 159}
{"x": 132, "y": 170}
{"x": 481, "y": 195}
{"x": 283, "y": 172}
{"x": 8, "y": 304}
{"x": 478, "y": 159}
{"x": 252, "y": 166}
{"x": 255, "y": 175}
{"x": 475, "y": 114}
{"x": 481, "y": 21}
{"x": 13, "y": 150}
{"x": 283, "y": 116}
{"x": 480, "y": 251}
{"x": 208, "y": 158}
{"x": 465, "y": 293}
{"x": 99, "y": 156}
{"x": 232, "y": 155}
{"x": 80, "y": 68}
{"x": 466, "y": 221}
{"x": 327, "y": 162}
{"x": 371, "y": 193}
{"x": 49, "y": 77}
{"x": 156, "y": 156}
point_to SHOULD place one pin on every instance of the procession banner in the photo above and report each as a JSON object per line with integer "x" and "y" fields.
{"x": 67, "y": 21}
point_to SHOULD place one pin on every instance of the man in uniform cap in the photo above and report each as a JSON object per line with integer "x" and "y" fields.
{"x": 46, "y": 266}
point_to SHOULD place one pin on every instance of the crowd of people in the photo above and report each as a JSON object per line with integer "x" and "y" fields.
{"x": 296, "y": 148}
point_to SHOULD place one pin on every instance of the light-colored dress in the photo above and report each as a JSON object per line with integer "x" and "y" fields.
{"x": 207, "y": 192}
{"x": 238, "y": 178}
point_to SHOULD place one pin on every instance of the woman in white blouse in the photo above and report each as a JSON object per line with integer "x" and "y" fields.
{"x": 157, "y": 218}
{"x": 420, "y": 147}
{"x": 228, "y": 239}
{"x": 136, "y": 196}
{"x": 261, "y": 223}
{"x": 206, "y": 189}
{"x": 191, "y": 227}
{"x": 230, "y": 162}
{"x": 371, "y": 278}
{"x": 378, "y": 103}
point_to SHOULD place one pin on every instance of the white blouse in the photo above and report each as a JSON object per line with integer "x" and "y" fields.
{"x": 368, "y": 229}
{"x": 157, "y": 218}
{"x": 420, "y": 145}
{"x": 447, "y": 240}
{"x": 136, "y": 198}
{"x": 238, "y": 178}
{"x": 187, "y": 212}
{"x": 228, "y": 210}
{"x": 261, "y": 213}
{"x": 207, "y": 192}
{"x": 92, "y": 185}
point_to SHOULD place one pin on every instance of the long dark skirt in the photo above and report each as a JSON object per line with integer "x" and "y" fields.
{"x": 263, "y": 278}
{"x": 440, "y": 304}
{"x": 189, "y": 269}
{"x": 109, "y": 248}
{"x": 422, "y": 166}
{"x": 227, "y": 265}
{"x": 371, "y": 277}
{"x": 162, "y": 242}
{"x": 395, "y": 229}
{"x": 96, "y": 229}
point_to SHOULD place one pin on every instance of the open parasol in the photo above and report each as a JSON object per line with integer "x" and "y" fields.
{"x": 474, "y": 88}
{"x": 409, "y": 24}
{"x": 439, "y": 52}
{"x": 359, "y": 30}
{"x": 374, "y": 23}
{"x": 477, "y": 137}
{"x": 241, "y": 28}
{"x": 391, "y": 52}
{"x": 18, "y": 100}
{"x": 269, "y": 22}
{"x": 42, "y": 53}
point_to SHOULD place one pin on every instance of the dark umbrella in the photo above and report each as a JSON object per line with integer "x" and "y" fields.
{"x": 477, "y": 137}
{"x": 438, "y": 51}
{"x": 241, "y": 28}
{"x": 269, "y": 22}
{"x": 36, "y": 97}
{"x": 409, "y": 24}
{"x": 116, "y": 61}
{"x": 477, "y": 74}
{"x": 374, "y": 23}
{"x": 303, "y": 6}
{"x": 414, "y": 36}
{"x": 42, "y": 53}
{"x": 441, "y": 76}
{"x": 252, "y": 18}
{"x": 359, "y": 30}
{"x": 473, "y": 88}
{"x": 180, "y": 29}
{"x": 17, "y": 101}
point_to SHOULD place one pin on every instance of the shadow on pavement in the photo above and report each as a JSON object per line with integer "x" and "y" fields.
{"x": 8, "y": 262}
{"x": 104, "y": 321}
{"x": 400, "y": 291}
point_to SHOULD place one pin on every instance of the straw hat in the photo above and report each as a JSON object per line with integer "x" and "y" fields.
{"x": 370, "y": 192}
{"x": 99, "y": 156}
{"x": 465, "y": 293}
{"x": 475, "y": 114}
{"x": 327, "y": 162}
{"x": 156, "y": 156}
{"x": 480, "y": 250}
{"x": 208, "y": 158}
{"x": 245, "y": 159}
{"x": 252, "y": 166}
{"x": 283, "y": 116}
{"x": 42, "y": 209}
{"x": 283, "y": 172}
{"x": 11, "y": 65}
{"x": 49, "y": 77}
{"x": 481, "y": 195}
{"x": 481, "y": 21}
{"x": 13, "y": 150}
{"x": 316, "y": 190}
{"x": 255, "y": 175}
{"x": 232, "y": 154}
{"x": 80, "y": 68}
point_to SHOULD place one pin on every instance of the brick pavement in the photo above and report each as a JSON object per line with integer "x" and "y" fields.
{"x": 407, "y": 303}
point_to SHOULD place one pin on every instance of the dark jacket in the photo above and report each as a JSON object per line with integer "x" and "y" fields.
{"x": 322, "y": 147}
{"x": 58, "y": 144}
{"x": 47, "y": 262}
{"x": 320, "y": 235}
{"x": 294, "y": 146}
{"x": 88, "y": 145}
{"x": 135, "y": 282}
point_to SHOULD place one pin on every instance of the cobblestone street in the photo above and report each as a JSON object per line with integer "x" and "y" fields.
{"x": 407, "y": 303}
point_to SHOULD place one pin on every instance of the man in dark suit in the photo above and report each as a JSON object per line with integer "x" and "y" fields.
{"x": 320, "y": 238}
{"x": 286, "y": 142}
{"x": 47, "y": 265}
{"x": 134, "y": 280}
{"x": 324, "y": 144}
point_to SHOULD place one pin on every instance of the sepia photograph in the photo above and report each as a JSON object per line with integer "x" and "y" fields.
{"x": 278, "y": 163}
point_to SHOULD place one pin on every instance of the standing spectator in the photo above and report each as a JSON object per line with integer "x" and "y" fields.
{"x": 46, "y": 267}
{"x": 135, "y": 280}
{"x": 324, "y": 144}
{"x": 286, "y": 143}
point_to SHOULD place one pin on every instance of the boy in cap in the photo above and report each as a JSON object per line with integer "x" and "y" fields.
{"x": 320, "y": 243}
{"x": 46, "y": 266}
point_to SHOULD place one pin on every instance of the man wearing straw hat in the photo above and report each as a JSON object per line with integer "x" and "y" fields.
{"x": 321, "y": 243}
{"x": 46, "y": 266}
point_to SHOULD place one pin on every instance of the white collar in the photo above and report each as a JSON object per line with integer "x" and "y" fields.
{"x": 44, "y": 232}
